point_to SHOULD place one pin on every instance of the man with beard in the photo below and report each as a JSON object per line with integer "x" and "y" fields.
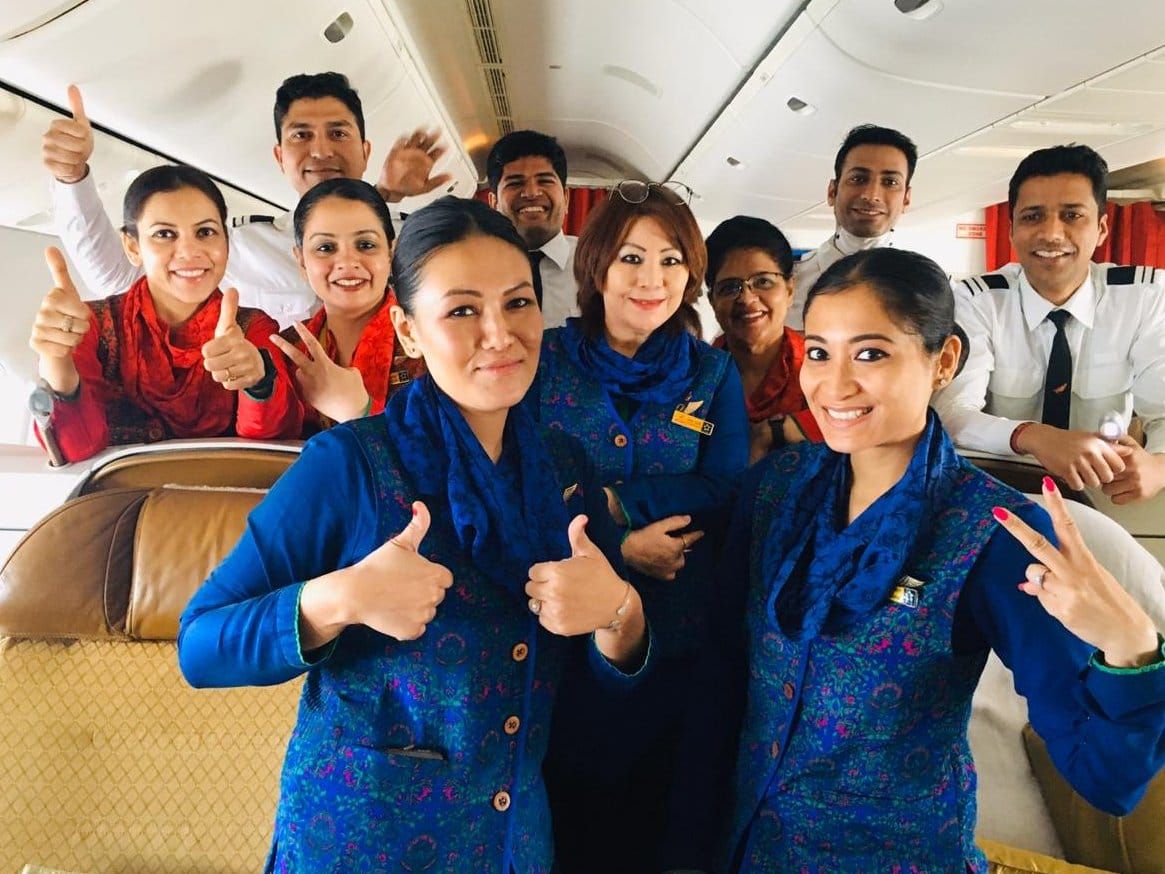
{"x": 1057, "y": 342}
{"x": 527, "y": 183}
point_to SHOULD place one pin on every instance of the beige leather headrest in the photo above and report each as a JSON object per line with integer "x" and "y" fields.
{"x": 120, "y": 563}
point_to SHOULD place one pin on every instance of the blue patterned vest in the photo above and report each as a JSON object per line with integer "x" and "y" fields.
{"x": 853, "y": 752}
{"x": 426, "y": 755}
{"x": 650, "y": 443}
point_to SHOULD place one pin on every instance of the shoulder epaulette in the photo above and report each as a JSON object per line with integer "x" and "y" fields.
{"x": 988, "y": 281}
{"x": 240, "y": 220}
{"x": 1129, "y": 275}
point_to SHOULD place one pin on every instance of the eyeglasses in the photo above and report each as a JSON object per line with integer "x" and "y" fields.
{"x": 734, "y": 287}
{"x": 634, "y": 191}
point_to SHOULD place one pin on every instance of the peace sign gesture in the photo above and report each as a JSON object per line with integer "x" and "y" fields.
{"x": 1073, "y": 587}
{"x": 337, "y": 392}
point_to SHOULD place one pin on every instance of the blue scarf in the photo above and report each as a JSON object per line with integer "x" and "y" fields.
{"x": 827, "y": 575}
{"x": 661, "y": 371}
{"x": 506, "y": 516}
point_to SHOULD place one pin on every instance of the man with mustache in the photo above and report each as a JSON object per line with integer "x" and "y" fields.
{"x": 319, "y": 129}
{"x": 527, "y": 183}
{"x": 1057, "y": 342}
{"x": 869, "y": 190}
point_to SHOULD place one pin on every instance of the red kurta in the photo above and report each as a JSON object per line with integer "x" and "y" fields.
{"x": 142, "y": 381}
{"x": 382, "y": 365}
{"x": 779, "y": 393}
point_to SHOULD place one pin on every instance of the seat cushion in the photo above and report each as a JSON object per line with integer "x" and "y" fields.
{"x": 1010, "y": 860}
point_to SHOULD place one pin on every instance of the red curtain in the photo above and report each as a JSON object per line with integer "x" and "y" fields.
{"x": 579, "y": 203}
{"x": 1136, "y": 235}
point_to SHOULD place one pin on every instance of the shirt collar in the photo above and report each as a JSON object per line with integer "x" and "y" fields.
{"x": 848, "y": 243}
{"x": 557, "y": 250}
{"x": 282, "y": 222}
{"x": 1081, "y": 305}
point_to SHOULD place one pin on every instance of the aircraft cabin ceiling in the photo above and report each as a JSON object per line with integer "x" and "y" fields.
{"x": 744, "y": 100}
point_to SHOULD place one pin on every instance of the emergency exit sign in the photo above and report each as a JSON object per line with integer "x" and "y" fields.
{"x": 971, "y": 231}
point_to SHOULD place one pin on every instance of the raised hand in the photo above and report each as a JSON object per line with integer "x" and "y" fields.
{"x": 408, "y": 169}
{"x": 396, "y": 590}
{"x": 579, "y": 594}
{"x": 1074, "y": 588}
{"x": 337, "y": 392}
{"x": 233, "y": 361}
{"x": 1143, "y": 476}
{"x": 68, "y": 143}
{"x": 61, "y": 323}
{"x": 657, "y": 550}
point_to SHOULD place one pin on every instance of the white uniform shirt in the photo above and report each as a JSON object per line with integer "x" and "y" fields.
{"x": 559, "y": 290}
{"x": 809, "y": 269}
{"x": 1116, "y": 336}
{"x": 260, "y": 264}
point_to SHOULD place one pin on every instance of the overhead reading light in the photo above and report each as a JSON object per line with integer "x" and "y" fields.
{"x": 339, "y": 28}
{"x": 919, "y": 10}
{"x": 799, "y": 106}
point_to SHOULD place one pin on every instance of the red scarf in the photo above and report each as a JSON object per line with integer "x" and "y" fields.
{"x": 779, "y": 393}
{"x": 161, "y": 367}
{"x": 374, "y": 356}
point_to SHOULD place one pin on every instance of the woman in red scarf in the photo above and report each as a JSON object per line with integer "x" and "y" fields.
{"x": 749, "y": 275}
{"x": 172, "y": 356}
{"x": 346, "y": 356}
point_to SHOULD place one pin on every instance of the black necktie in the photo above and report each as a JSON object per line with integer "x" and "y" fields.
{"x": 1058, "y": 384}
{"x": 535, "y": 265}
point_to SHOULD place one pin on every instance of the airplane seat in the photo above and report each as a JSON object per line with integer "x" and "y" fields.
{"x": 109, "y": 761}
{"x": 1025, "y": 477}
{"x": 1012, "y": 809}
{"x": 234, "y": 467}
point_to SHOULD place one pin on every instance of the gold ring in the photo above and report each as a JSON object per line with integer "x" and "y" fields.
{"x": 68, "y": 324}
{"x": 229, "y": 377}
{"x": 535, "y": 606}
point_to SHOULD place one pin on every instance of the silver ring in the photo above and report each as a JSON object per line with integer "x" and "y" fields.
{"x": 68, "y": 324}
{"x": 535, "y": 606}
{"x": 1038, "y": 579}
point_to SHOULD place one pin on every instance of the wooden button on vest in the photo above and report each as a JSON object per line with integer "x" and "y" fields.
{"x": 502, "y": 801}
{"x": 519, "y": 652}
{"x": 620, "y": 440}
{"x": 511, "y": 725}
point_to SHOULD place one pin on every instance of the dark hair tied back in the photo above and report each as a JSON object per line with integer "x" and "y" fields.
{"x": 166, "y": 178}
{"x": 443, "y": 223}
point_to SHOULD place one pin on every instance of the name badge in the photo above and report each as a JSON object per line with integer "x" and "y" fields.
{"x": 906, "y": 597}
{"x": 400, "y": 377}
{"x": 684, "y": 418}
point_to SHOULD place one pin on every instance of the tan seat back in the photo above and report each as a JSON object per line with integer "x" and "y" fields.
{"x": 108, "y": 760}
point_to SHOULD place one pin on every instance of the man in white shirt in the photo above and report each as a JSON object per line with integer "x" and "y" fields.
{"x": 319, "y": 129}
{"x": 527, "y": 182}
{"x": 869, "y": 190}
{"x": 1057, "y": 342}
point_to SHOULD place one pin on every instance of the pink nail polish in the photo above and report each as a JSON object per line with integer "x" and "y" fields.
{"x": 1049, "y": 484}
{"x": 1000, "y": 514}
{"x": 414, "y": 512}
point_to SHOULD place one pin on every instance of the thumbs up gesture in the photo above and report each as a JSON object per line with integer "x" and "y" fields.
{"x": 394, "y": 589}
{"x": 582, "y": 593}
{"x": 233, "y": 361}
{"x": 61, "y": 323}
{"x": 68, "y": 143}
{"x": 337, "y": 392}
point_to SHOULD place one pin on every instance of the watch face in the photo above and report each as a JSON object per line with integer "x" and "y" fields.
{"x": 40, "y": 402}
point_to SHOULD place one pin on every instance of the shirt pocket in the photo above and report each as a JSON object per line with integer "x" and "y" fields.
{"x": 1016, "y": 382}
{"x": 1105, "y": 376}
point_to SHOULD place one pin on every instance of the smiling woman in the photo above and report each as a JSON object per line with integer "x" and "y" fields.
{"x": 172, "y": 356}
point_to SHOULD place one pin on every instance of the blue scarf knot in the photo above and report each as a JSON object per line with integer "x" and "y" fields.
{"x": 661, "y": 371}
{"x": 827, "y": 575}
{"x": 507, "y": 516}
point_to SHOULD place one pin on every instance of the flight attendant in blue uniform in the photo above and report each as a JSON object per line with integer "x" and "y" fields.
{"x": 662, "y": 415}
{"x": 864, "y": 583}
{"x": 429, "y": 570}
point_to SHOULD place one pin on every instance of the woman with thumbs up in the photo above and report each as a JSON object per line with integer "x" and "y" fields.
{"x": 430, "y": 569}
{"x": 172, "y": 356}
